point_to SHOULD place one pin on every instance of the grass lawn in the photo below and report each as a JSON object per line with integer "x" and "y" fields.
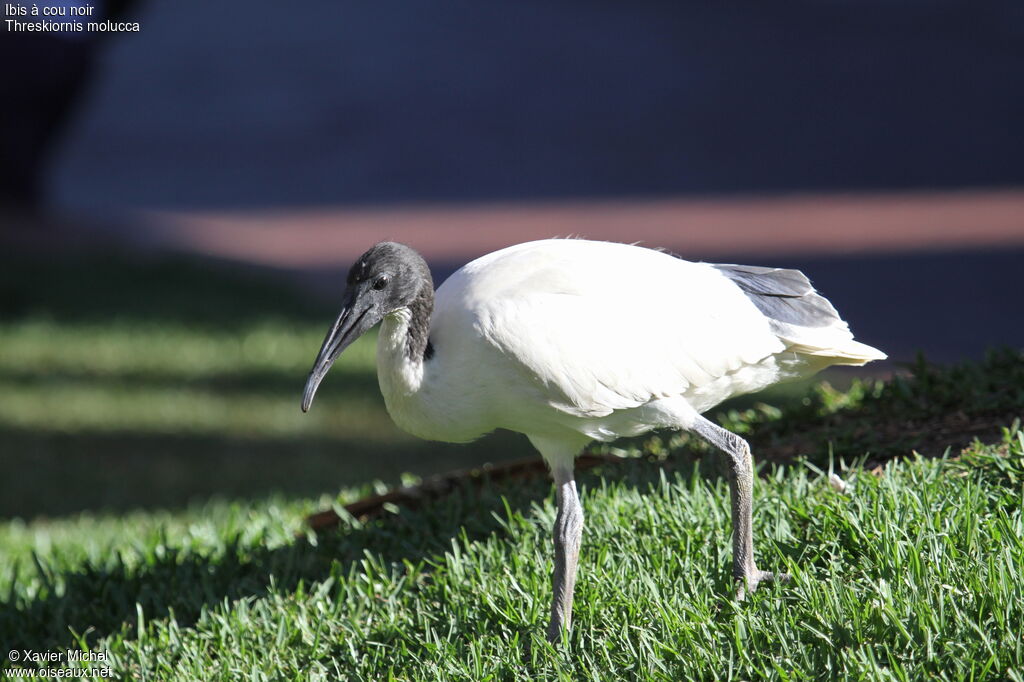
{"x": 157, "y": 472}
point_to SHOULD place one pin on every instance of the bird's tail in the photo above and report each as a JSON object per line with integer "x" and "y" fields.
{"x": 850, "y": 352}
{"x": 800, "y": 316}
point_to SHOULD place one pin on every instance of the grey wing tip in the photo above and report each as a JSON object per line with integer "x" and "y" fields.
{"x": 783, "y": 296}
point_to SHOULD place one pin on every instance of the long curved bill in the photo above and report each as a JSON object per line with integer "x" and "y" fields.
{"x": 352, "y": 322}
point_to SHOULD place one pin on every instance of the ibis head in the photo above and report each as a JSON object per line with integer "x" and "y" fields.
{"x": 387, "y": 278}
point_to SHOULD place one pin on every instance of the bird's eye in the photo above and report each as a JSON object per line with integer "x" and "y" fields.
{"x": 380, "y": 282}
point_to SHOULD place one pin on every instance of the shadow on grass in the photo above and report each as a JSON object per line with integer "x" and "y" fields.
{"x": 102, "y": 287}
{"x": 54, "y": 474}
{"x": 230, "y": 385}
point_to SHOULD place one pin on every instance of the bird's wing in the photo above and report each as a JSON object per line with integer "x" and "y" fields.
{"x": 608, "y": 326}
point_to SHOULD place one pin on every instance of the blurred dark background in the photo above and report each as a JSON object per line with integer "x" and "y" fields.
{"x": 208, "y": 178}
{"x": 251, "y": 104}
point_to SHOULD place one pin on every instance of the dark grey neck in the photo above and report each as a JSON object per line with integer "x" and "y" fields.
{"x": 417, "y": 342}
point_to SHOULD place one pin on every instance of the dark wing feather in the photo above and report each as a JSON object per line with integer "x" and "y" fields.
{"x": 785, "y": 297}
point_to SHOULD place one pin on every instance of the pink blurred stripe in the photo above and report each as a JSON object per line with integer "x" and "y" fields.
{"x": 827, "y": 224}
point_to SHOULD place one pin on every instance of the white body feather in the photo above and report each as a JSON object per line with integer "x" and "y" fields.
{"x": 569, "y": 341}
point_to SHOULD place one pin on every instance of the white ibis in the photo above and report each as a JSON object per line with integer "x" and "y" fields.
{"x": 569, "y": 341}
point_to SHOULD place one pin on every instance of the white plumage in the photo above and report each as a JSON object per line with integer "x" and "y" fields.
{"x": 568, "y": 341}
{"x": 566, "y": 338}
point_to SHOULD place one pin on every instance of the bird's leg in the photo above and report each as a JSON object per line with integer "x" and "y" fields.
{"x": 567, "y": 533}
{"x": 741, "y": 484}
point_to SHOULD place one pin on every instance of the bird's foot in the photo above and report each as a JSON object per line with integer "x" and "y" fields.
{"x": 749, "y": 583}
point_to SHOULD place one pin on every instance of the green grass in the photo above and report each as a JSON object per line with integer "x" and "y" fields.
{"x": 157, "y": 473}
{"x": 915, "y": 573}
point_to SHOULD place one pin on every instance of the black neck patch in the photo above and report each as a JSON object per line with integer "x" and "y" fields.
{"x": 417, "y": 342}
